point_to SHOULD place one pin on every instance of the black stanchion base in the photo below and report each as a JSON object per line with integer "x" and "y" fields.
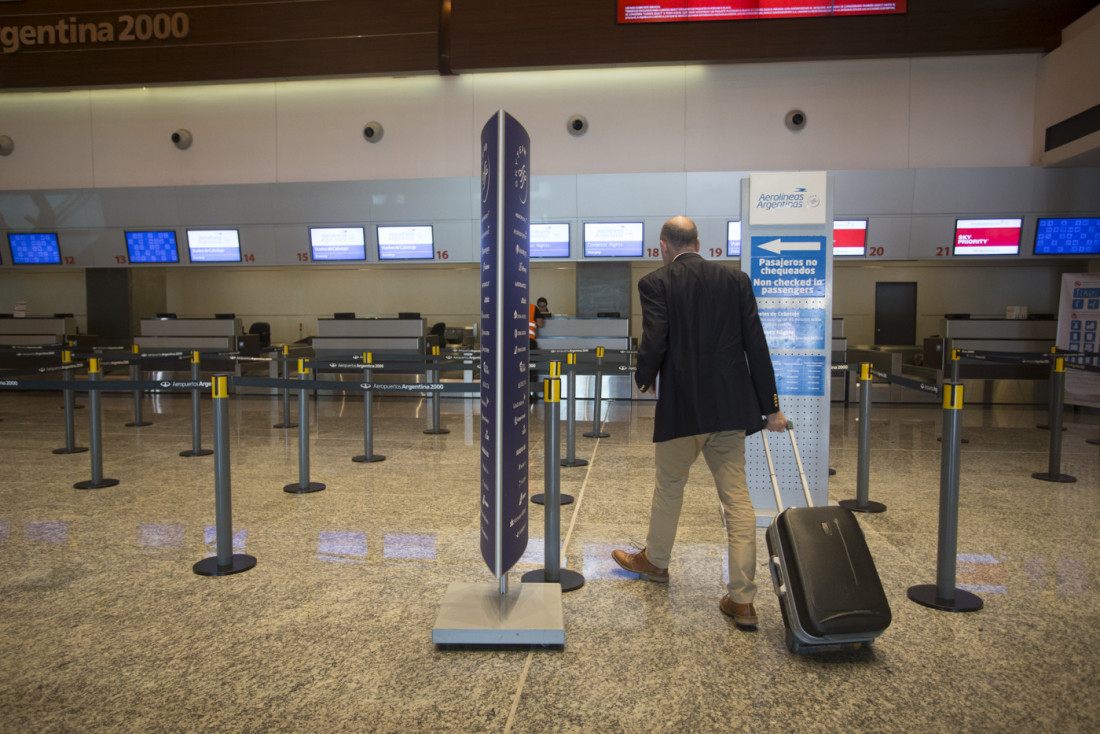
{"x": 569, "y": 580}
{"x": 73, "y": 450}
{"x": 285, "y": 425}
{"x": 574, "y": 462}
{"x": 197, "y": 452}
{"x": 1046, "y": 427}
{"x": 1093, "y": 441}
{"x": 964, "y": 601}
{"x": 961, "y": 440}
{"x": 209, "y": 566}
{"x": 1048, "y": 477}
{"x": 364, "y": 459}
{"x": 832, "y": 472}
{"x": 592, "y": 434}
{"x": 138, "y": 425}
{"x": 854, "y": 506}
{"x": 540, "y": 499}
{"x": 299, "y": 489}
{"x": 434, "y": 432}
{"x": 89, "y": 484}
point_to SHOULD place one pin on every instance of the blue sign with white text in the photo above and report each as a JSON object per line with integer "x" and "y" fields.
{"x": 800, "y": 374}
{"x": 788, "y": 266}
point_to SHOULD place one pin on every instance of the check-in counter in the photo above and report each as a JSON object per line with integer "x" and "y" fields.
{"x": 353, "y": 336}
{"x": 189, "y": 334}
{"x": 36, "y": 330}
{"x": 559, "y": 333}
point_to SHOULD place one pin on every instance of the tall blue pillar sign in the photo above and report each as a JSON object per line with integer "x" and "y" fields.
{"x": 505, "y": 260}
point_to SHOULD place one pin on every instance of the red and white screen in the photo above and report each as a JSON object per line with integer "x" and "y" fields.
{"x": 987, "y": 236}
{"x": 667, "y": 11}
{"x": 849, "y": 237}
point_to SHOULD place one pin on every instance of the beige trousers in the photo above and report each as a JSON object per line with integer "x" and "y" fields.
{"x": 724, "y": 452}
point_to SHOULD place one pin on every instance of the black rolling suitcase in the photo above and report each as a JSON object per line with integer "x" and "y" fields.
{"x": 829, "y": 591}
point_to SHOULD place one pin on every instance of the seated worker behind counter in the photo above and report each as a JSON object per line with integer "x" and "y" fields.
{"x": 701, "y": 332}
{"x": 542, "y": 309}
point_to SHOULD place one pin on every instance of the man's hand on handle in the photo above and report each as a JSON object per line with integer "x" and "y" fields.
{"x": 777, "y": 422}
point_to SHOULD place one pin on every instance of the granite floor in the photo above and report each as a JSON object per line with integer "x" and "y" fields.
{"x": 104, "y": 626}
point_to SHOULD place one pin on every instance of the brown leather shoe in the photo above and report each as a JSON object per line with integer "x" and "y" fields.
{"x": 639, "y": 564}
{"x": 744, "y": 615}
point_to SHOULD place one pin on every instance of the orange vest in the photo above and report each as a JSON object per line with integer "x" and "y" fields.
{"x": 532, "y": 327}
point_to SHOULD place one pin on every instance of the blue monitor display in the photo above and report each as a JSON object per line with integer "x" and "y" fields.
{"x": 338, "y": 243}
{"x": 613, "y": 239}
{"x": 733, "y": 239}
{"x": 550, "y": 240}
{"x": 152, "y": 247}
{"x": 34, "y": 248}
{"x": 1068, "y": 236}
{"x": 406, "y": 243}
{"x": 214, "y": 245}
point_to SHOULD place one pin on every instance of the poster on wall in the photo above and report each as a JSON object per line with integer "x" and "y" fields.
{"x": 1078, "y": 320}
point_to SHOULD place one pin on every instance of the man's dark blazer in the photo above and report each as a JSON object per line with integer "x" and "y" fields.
{"x": 702, "y": 333}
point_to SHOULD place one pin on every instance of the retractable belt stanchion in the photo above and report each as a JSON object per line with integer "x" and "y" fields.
{"x": 70, "y": 432}
{"x": 1057, "y": 399}
{"x": 595, "y": 432}
{"x": 225, "y": 562}
{"x": 286, "y": 392}
{"x": 304, "y": 485}
{"x": 570, "y": 459}
{"x": 135, "y": 375}
{"x": 433, "y": 377}
{"x": 555, "y": 376}
{"x": 954, "y": 378}
{"x": 95, "y": 416}
{"x": 944, "y": 595}
{"x": 368, "y": 422}
{"x": 553, "y": 573}
{"x": 196, "y": 414}
{"x": 863, "y": 468}
{"x": 1051, "y": 395}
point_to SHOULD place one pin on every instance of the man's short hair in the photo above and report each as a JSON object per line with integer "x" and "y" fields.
{"x": 678, "y": 237}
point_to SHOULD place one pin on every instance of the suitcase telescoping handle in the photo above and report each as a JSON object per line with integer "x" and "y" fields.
{"x": 797, "y": 461}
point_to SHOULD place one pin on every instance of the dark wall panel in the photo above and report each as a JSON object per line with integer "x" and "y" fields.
{"x": 55, "y": 45}
{"x": 492, "y": 34}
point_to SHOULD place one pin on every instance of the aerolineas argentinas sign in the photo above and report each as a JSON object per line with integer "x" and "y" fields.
{"x": 787, "y": 198}
{"x": 87, "y": 31}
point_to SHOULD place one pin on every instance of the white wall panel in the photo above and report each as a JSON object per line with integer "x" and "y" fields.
{"x": 426, "y": 120}
{"x": 857, "y": 116}
{"x": 972, "y": 111}
{"x": 635, "y": 117}
{"x": 233, "y": 127}
{"x": 53, "y": 141}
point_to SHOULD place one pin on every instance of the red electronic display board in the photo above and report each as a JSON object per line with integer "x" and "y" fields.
{"x": 987, "y": 236}
{"x": 669, "y": 11}
{"x": 849, "y": 237}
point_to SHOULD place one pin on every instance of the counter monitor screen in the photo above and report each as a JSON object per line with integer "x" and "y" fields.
{"x": 338, "y": 243}
{"x": 550, "y": 240}
{"x": 152, "y": 247}
{"x": 34, "y": 248}
{"x": 406, "y": 243}
{"x": 987, "y": 236}
{"x": 613, "y": 239}
{"x": 669, "y": 11}
{"x": 733, "y": 239}
{"x": 849, "y": 237}
{"x": 1068, "y": 236}
{"x": 214, "y": 245}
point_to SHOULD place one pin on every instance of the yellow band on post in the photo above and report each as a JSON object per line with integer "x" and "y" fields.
{"x": 286, "y": 349}
{"x": 1059, "y": 364}
{"x": 368, "y": 357}
{"x": 435, "y": 351}
{"x": 220, "y": 386}
{"x": 302, "y": 368}
{"x": 66, "y": 356}
{"x": 599, "y": 352}
{"x": 93, "y": 365}
{"x": 953, "y": 397}
{"x": 134, "y": 349}
{"x": 865, "y": 371}
{"x": 955, "y": 356}
{"x": 571, "y": 358}
{"x": 551, "y": 390}
{"x": 195, "y": 357}
{"x": 555, "y": 369}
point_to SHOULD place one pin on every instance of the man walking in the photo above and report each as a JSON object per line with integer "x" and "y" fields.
{"x": 702, "y": 335}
